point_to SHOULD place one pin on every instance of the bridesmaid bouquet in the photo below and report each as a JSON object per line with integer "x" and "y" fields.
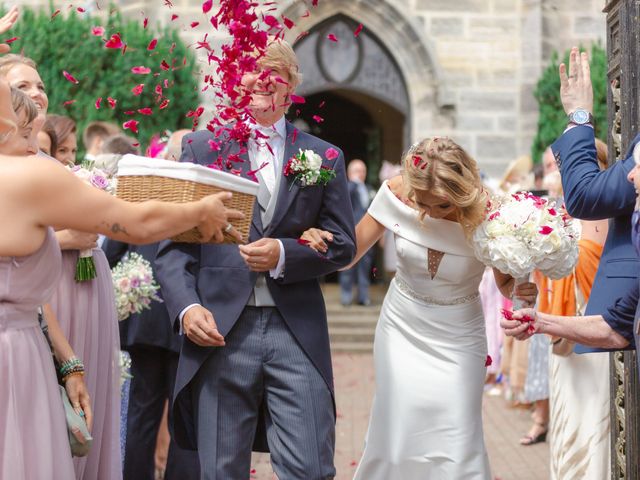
{"x": 134, "y": 285}
{"x": 524, "y": 233}
{"x": 85, "y": 268}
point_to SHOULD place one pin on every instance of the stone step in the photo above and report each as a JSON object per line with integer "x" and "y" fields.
{"x": 351, "y": 347}
{"x": 351, "y": 334}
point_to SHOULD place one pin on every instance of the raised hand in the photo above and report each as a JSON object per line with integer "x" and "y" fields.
{"x": 216, "y": 218}
{"x": 6, "y": 23}
{"x": 201, "y": 328}
{"x": 317, "y": 239}
{"x": 575, "y": 89}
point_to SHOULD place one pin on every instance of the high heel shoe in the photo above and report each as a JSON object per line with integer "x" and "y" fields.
{"x": 532, "y": 440}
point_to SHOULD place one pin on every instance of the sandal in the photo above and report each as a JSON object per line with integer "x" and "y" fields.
{"x": 539, "y": 438}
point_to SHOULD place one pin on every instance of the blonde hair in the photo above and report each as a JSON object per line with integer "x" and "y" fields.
{"x": 7, "y": 62}
{"x": 444, "y": 169}
{"x": 21, "y": 102}
{"x": 280, "y": 55}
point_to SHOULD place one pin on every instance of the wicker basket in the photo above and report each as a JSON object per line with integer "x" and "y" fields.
{"x": 141, "y": 179}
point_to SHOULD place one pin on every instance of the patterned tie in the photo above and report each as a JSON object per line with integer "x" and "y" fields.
{"x": 266, "y": 155}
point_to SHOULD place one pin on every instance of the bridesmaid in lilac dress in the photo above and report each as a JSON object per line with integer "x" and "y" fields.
{"x": 87, "y": 315}
{"x": 33, "y": 432}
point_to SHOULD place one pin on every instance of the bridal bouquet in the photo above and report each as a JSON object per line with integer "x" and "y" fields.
{"x": 134, "y": 285}
{"x": 523, "y": 233}
{"x": 85, "y": 268}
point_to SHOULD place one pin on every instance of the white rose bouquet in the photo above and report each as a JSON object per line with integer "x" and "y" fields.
{"x": 85, "y": 268}
{"x": 134, "y": 285}
{"x": 523, "y": 233}
{"x": 306, "y": 167}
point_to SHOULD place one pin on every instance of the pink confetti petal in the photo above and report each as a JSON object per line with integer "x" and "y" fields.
{"x": 152, "y": 44}
{"x": 68, "y": 102}
{"x": 112, "y": 102}
{"x": 358, "y": 30}
{"x": 114, "y": 42}
{"x": 194, "y": 24}
{"x": 140, "y": 70}
{"x": 488, "y": 361}
{"x": 70, "y": 77}
{"x": 331, "y": 153}
{"x": 297, "y": 99}
{"x": 98, "y": 103}
{"x": 318, "y": 118}
{"x": 288, "y": 22}
{"x": 545, "y": 230}
{"x": 131, "y": 125}
{"x": 206, "y": 6}
{"x": 332, "y": 37}
{"x": 9, "y": 41}
{"x": 138, "y": 89}
{"x": 145, "y": 111}
{"x": 97, "y": 31}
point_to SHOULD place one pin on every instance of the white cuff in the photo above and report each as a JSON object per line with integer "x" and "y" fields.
{"x": 183, "y": 312}
{"x": 278, "y": 272}
{"x": 573, "y": 125}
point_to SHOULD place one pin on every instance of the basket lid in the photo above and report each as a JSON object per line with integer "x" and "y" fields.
{"x": 134, "y": 165}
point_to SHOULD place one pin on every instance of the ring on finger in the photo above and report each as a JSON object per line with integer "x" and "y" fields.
{"x": 228, "y": 228}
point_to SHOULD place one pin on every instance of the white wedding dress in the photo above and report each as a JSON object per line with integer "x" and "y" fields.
{"x": 430, "y": 350}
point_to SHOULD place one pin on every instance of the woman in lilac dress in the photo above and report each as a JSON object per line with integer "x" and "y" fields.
{"x": 86, "y": 310}
{"x": 87, "y": 315}
{"x": 33, "y": 434}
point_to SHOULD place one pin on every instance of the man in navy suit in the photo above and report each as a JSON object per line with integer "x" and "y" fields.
{"x": 255, "y": 363}
{"x": 154, "y": 348}
{"x": 591, "y": 194}
{"x": 361, "y": 195}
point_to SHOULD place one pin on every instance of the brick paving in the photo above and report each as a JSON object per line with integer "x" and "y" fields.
{"x": 354, "y": 382}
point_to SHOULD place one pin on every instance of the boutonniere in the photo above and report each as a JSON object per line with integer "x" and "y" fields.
{"x": 306, "y": 168}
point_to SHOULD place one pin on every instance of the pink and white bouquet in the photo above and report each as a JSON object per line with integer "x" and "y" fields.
{"x": 522, "y": 233}
{"x": 85, "y": 268}
{"x": 134, "y": 285}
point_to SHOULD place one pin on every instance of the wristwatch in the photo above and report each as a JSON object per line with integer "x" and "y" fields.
{"x": 580, "y": 116}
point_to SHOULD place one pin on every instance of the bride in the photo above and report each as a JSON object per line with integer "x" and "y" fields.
{"x": 430, "y": 346}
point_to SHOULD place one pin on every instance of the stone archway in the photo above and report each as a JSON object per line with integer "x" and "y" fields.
{"x": 390, "y": 61}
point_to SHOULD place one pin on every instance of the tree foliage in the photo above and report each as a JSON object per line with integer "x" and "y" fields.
{"x": 62, "y": 42}
{"x": 553, "y": 119}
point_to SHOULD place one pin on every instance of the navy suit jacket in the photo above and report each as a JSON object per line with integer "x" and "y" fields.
{"x": 216, "y": 277}
{"x": 592, "y": 194}
{"x": 151, "y": 327}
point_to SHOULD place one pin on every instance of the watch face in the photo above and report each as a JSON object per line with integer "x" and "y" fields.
{"x": 580, "y": 117}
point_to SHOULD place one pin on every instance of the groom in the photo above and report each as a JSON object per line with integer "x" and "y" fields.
{"x": 255, "y": 366}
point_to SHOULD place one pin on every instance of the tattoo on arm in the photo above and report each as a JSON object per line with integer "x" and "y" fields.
{"x": 116, "y": 228}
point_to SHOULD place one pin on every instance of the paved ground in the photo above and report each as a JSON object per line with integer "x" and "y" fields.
{"x": 354, "y": 381}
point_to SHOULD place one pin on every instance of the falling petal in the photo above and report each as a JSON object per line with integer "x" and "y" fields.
{"x": 55, "y": 14}
{"x": 332, "y": 37}
{"x": 331, "y": 153}
{"x": 288, "y": 22}
{"x": 322, "y": 103}
{"x": 112, "y": 102}
{"x": 80, "y": 10}
{"x": 164, "y": 104}
{"x": 145, "y": 111}
{"x": 545, "y": 230}
{"x": 70, "y": 77}
{"x": 164, "y": 65}
{"x": 137, "y": 90}
{"x": 152, "y": 44}
{"x": 68, "y": 102}
{"x": 145, "y": 22}
{"x": 318, "y": 118}
{"x": 114, "y": 42}
{"x": 297, "y": 99}
{"x": 98, "y": 103}
{"x": 206, "y": 6}
{"x": 174, "y": 17}
{"x": 358, "y": 30}
{"x": 141, "y": 70}
{"x": 131, "y": 125}
{"x": 194, "y": 24}
{"x": 97, "y": 31}
{"x": 9, "y": 41}
{"x": 488, "y": 361}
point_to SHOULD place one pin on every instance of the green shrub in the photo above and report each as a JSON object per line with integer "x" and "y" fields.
{"x": 66, "y": 42}
{"x": 553, "y": 120}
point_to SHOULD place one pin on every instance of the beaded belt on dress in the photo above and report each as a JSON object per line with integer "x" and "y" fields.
{"x": 406, "y": 289}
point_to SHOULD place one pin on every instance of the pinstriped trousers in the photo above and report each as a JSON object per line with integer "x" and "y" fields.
{"x": 262, "y": 367}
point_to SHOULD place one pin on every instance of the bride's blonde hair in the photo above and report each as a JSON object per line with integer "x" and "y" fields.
{"x": 443, "y": 168}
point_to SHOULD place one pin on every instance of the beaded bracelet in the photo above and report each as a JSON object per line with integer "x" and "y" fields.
{"x": 72, "y": 374}
{"x": 69, "y": 365}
